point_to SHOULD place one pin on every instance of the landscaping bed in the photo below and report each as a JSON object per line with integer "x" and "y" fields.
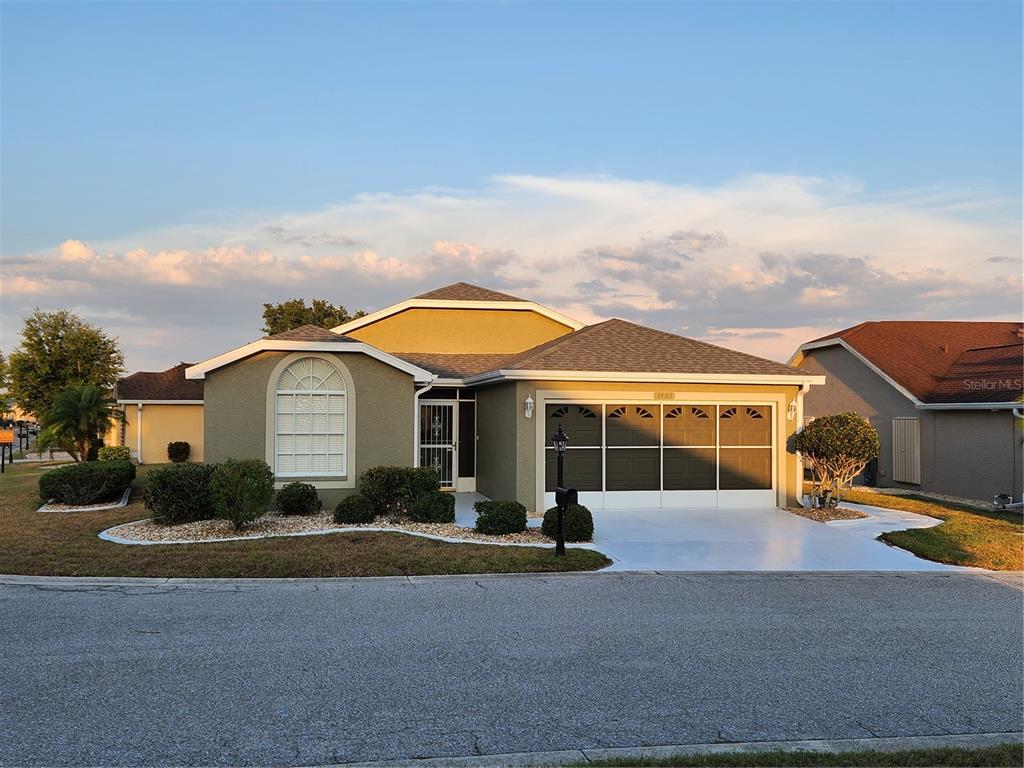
{"x": 826, "y": 515}
{"x": 68, "y": 545}
{"x": 147, "y": 531}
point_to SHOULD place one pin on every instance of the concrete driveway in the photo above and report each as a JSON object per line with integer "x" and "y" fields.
{"x": 765, "y": 539}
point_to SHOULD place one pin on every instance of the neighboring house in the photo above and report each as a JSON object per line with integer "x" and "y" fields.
{"x": 945, "y": 398}
{"x": 159, "y": 408}
{"x": 474, "y": 383}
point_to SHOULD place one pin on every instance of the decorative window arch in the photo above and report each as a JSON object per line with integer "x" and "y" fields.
{"x": 311, "y": 404}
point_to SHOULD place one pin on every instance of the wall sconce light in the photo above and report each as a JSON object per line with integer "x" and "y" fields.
{"x": 791, "y": 411}
{"x": 528, "y": 407}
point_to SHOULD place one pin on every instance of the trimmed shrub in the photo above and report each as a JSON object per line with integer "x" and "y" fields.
{"x": 434, "y": 507}
{"x": 354, "y": 510}
{"x": 86, "y": 483}
{"x": 836, "y": 448}
{"x": 496, "y": 518}
{"x": 242, "y": 489}
{"x": 392, "y": 490}
{"x": 114, "y": 453}
{"x": 298, "y": 499}
{"x": 577, "y": 523}
{"x": 178, "y": 451}
{"x": 179, "y": 493}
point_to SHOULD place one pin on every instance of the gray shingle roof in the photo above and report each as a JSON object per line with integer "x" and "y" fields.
{"x": 620, "y": 346}
{"x": 310, "y": 333}
{"x": 453, "y": 366}
{"x": 466, "y": 292}
{"x": 160, "y": 385}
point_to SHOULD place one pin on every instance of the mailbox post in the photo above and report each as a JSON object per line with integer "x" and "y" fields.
{"x": 563, "y": 496}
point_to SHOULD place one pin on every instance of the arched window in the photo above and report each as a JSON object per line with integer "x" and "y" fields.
{"x": 311, "y": 419}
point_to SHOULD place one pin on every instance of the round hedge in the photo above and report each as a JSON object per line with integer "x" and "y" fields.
{"x": 298, "y": 499}
{"x": 577, "y": 523}
{"x": 354, "y": 510}
{"x": 436, "y": 507}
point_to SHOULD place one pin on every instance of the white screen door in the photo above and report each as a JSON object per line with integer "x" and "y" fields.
{"x": 437, "y": 440}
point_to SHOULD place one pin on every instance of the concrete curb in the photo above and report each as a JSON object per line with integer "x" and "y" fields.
{"x": 122, "y": 502}
{"x": 583, "y": 756}
{"x": 1011, "y": 578}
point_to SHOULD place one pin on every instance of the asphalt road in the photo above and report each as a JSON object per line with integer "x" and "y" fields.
{"x": 306, "y": 673}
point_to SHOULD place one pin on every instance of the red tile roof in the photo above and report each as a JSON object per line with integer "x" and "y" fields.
{"x": 466, "y": 292}
{"x": 620, "y": 346}
{"x": 933, "y": 359}
{"x": 160, "y": 385}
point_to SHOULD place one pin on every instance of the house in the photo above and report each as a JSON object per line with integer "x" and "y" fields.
{"x": 159, "y": 408}
{"x": 475, "y": 382}
{"x": 945, "y": 398}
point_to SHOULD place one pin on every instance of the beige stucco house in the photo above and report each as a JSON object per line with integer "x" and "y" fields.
{"x": 474, "y": 382}
{"x": 158, "y": 407}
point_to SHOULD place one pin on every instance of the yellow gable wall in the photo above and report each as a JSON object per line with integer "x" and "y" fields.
{"x": 460, "y": 331}
{"x": 161, "y": 424}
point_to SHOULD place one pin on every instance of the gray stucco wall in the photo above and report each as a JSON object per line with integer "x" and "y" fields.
{"x": 496, "y": 455}
{"x": 963, "y": 453}
{"x": 235, "y": 413}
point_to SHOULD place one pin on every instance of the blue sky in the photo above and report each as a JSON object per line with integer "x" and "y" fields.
{"x": 184, "y": 127}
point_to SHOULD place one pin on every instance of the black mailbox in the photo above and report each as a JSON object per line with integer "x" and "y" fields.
{"x": 566, "y": 497}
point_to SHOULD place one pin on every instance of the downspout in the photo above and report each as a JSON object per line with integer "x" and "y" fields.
{"x": 138, "y": 433}
{"x": 799, "y": 489}
{"x": 416, "y": 421}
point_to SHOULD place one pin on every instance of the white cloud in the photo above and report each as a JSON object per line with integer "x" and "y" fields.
{"x": 756, "y": 263}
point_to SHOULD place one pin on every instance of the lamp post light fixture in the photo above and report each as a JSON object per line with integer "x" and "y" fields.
{"x": 560, "y": 441}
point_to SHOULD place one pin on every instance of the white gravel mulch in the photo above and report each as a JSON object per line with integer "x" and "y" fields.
{"x": 148, "y": 532}
{"x": 827, "y": 515}
{"x": 55, "y": 506}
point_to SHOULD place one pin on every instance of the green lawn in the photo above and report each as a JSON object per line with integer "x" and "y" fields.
{"x": 66, "y": 544}
{"x": 985, "y": 539}
{"x": 1009, "y": 755}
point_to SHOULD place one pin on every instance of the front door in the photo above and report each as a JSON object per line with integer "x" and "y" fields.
{"x": 438, "y": 439}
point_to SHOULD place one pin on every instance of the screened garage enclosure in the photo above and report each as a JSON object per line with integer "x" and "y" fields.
{"x": 669, "y": 454}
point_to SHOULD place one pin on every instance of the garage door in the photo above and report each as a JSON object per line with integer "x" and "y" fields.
{"x": 664, "y": 454}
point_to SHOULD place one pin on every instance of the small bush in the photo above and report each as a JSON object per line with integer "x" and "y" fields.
{"x": 496, "y": 518}
{"x": 242, "y": 489}
{"x": 298, "y": 499}
{"x": 354, "y": 510}
{"x": 434, "y": 507}
{"x": 178, "y": 451}
{"x": 179, "y": 493}
{"x": 836, "y": 448}
{"x": 577, "y": 523}
{"x": 392, "y": 490}
{"x": 114, "y": 453}
{"x": 86, "y": 483}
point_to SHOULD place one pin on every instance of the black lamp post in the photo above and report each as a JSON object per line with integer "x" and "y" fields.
{"x": 560, "y": 441}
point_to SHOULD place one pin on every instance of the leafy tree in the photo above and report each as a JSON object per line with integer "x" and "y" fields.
{"x": 79, "y": 415}
{"x": 60, "y": 350}
{"x": 278, "y": 318}
{"x": 837, "y": 448}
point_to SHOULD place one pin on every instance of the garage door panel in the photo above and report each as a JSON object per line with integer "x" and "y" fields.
{"x": 690, "y": 469}
{"x": 632, "y": 425}
{"x": 689, "y": 425}
{"x": 632, "y": 469}
{"x": 745, "y": 469}
{"x": 582, "y": 468}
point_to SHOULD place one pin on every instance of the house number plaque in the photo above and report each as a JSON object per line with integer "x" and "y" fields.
{"x": 664, "y": 395}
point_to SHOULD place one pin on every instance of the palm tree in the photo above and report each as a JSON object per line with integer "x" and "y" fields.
{"x": 78, "y": 416}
